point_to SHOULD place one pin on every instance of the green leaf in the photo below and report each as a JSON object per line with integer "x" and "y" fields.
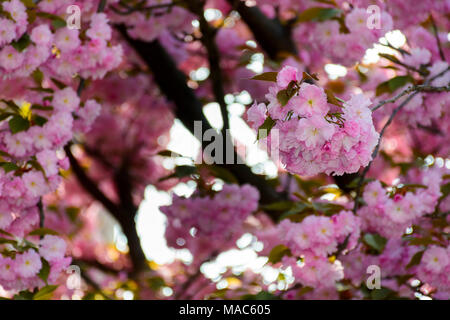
{"x": 59, "y": 84}
{"x": 41, "y": 107}
{"x": 58, "y": 23}
{"x": 327, "y": 208}
{"x": 332, "y": 99}
{"x": 266, "y": 76}
{"x": 12, "y": 105}
{"x": 9, "y": 166}
{"x": 9, "y": 241}
{"x": 39, "y": 120}
{"x": 5, "y": 233}
{"x": 45, "y": 293}
{"x": 278, "y": 252}
{"x": 389, "y": 57}
{"x": 278, "y": 206}
{"x": 169, "y": 153}
{"x": 375, "y": 241}
{"x": 268, "y": 124}
{"x": 43, "y": 232}
{"x": 21, "y": 44}
{"x": 393, "y": 84}
{"x": 354, "y": 183}
{"x": 23, "y": 295}
{"x": 156, "y": 283}
{"x": 181, "y": 172}
{"x": 283, "y": 96}
{"x": 318, "y": 14}
{"x": 415, "y": 260}
{"x": 29, "y": 4}
{"x": 399, "y": 82}
{"x": 38, "y": 77}
{"x": 293, "y": 213}
{"x": 304, "y": 290}
{"x": 4, "y": 154}
{"x": 381, "y": 294}
{"x": 36, "y": 165}
{"x": 445, "y": 190}
{"x": 312, "y": 77}
{"x": 45, "y": 270}
{"x": 222, "y": 173}
{"x": 44, "y": 90}
{"x": 18, "y": 124}
{"x": 425, "y": 241}
{"x": 262, "y": 295}
{"x": 72, "y": 213}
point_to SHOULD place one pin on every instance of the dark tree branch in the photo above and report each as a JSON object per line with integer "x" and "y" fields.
{"x": 436, "y": 34}
{"x": 124, "y": 214}
{"x": 273, "y": 37}
{"x": 89, "y": 185}
{"x": 216, "y": 76}
{"x": 172, "y": 83}
{"x": 391, "y": 118}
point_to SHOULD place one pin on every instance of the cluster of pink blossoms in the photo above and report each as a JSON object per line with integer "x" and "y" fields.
{"x": 328, "y": 40}
{"x": 161, "y": 22}
{"x": 206, "y": 223}
{"x": 36, "y": 124}
{"x": 313, "y": 241}
{"x": 425, "y": 108}
{"x": 312, "y": 138}
{"x": 31, "y": 161}
{"x": 390, "y": 213}
{"x": 60, "y": 51}
{"x": 20, "y": 269}
{"x": 434, "y": 270}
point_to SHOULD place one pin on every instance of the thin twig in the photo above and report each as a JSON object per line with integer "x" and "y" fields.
{"x": 140, "y": 8}
{"x": 421, "y": 88}
{"x": 101, "y": 6}
{"x": 93, "y": 284}
{"x": 375, "y": 152}
{"x": 209, "y": 42}
{"x": 191, "y": 280}
{"x": 436, "y": 34}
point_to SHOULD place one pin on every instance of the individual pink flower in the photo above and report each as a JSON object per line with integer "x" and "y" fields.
{"x": 357, "y": 20}
{"x": 41, "y": 35}
{"x": 66, "y": 100}
{"x": 18, "y": 144}
{"x": 28, "y": 264}
{"x": 17, "y": 10}
{"x": 99, "y": 28}
{"x": 286, "y": 75}
{"x": 256, "y": 114}
{"x": 7, "y": 31}
{"x": 374, "y": 194}
{"x": 437, "y": 68}
{"x": 48, "y": 161}
{"x": 35, "y": 183}
{"x": 52, "y": 248}
{"x": 417, "y": 57}
{"x": 358, "y": 108}
{"x": 10, "y": 58}
{"x": 435, "y": 259}
{"x": 67, "y": 39}
{"x": 40, "y": 138}
{"x": 7, "y": 267}
{"x": 314, "y": 131}
{"x": 5, "y": 219}
{"x": 312, "y": 101}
